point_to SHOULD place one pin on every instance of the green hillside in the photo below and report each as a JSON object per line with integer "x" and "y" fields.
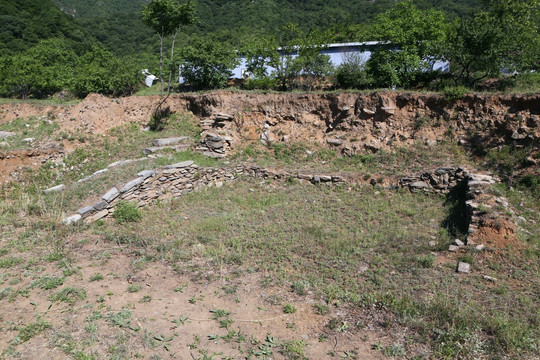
{"x": 24, "y": 23}
{"x": 94, "y": 8}
{"x": 117, "y": 23}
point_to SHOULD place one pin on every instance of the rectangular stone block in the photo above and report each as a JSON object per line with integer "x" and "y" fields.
{"x": 111, "y": 195}
{"x": 132, "y": 184}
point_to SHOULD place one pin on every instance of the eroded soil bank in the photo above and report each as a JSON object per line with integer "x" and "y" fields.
{"x": 351, "y": 122}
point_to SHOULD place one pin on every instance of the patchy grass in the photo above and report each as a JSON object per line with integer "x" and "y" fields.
{"x": 29, "y": 331}
{"x": 69, "y": 295}
{"x": 401, "y": 161}
{"x": 355, "y": 252}
{"x": 315, "y": 237}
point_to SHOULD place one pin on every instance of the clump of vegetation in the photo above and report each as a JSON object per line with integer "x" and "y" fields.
{"x": 69, "y": 295}
{"x": 134, "y": 288}
{"x": 289, "y": 309}
{"x": 127, "y": 212}
{"x": 454, "y": 93}
{"x": 48, "y": 282}
{"x": 29, "y": 331}
{"x": 96, "y": 277}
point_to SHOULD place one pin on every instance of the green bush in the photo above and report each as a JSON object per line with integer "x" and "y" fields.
{"x": 352, "y": 74}
{"x": 264, "y": 83}
{"x": 99, "y": 71}
{"x": 127, "y": 212}
{"x": 207, "y": 63}
{"x": 454, "y": 93}
{"x": 426, "y": 261}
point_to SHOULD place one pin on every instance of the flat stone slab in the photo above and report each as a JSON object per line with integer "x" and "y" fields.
{"x": 368, "y": 111}
{"x": 170, "y": 141}
{"x": 444, "y": 170}
{"x": 223, "y": 117}
{"x": 71, "y": 219}
{"x": 85, "y": 211}
{"x": 133, "y": 183}
{"x": 57, "y": 188}
{"x": 477, "y": 184}
{"x": 325, "y": 178}
{"x": 453, "y": 248}
{"x": 6, "y": 134}
{"x": 481, "y": 177}
{"x": 419, "y": 185}
{"x": 145, "y": 174}
{"x": 124, "y": 162}
{"x": 100, "y": 205}
{"x": 155, "y": 149}
{"x": 459, "y": 243}
{"x": 463, "y": 267}
{"x": 99, "y": 172}
{"x": 334, "y": 142}
{"x": 97, "y": 216}
{"x": 119, "y": 163}
{"x": 389, "y": 110}
{"x": 180, "y": 165}
{"x": 111, "y": 195}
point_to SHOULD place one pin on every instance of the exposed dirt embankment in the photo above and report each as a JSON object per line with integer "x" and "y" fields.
{"x": 356, "y": 122}
{"x": 347, "y": 121}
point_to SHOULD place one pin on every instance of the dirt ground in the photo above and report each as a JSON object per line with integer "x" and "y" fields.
{"x": 256, "y": 312}
{"x": 148, "y": 309}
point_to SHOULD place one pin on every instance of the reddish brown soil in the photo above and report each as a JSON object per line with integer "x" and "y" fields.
{"x": 498, "y": 233}
{"x": 253, "y": 311}
{"x": 12, "y": 163}
{"x": 314, "y": 118}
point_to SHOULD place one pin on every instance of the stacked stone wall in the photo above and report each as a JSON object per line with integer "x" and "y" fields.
{"x": 173, "y": 181}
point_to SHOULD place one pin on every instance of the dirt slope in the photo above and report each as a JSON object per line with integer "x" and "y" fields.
{"x": 349, "y": 122}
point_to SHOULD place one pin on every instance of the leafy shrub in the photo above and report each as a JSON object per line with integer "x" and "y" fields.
{"x": 454, "y": 93}
{"x": 99, "y": 71}
{"x": 352, "y": 74}
{"x": 264, "y": 83}
{"x": 207, "y": 63}
{"x": 301, "y": 287}
{"x": 127, "y": 212}
{"x": 289, "y": 309}
{"x": 426, "y": 261}
{"x": 531, "y": 181}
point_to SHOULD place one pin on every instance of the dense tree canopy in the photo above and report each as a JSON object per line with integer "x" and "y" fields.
{"x": 24, "y": 23}
{"x": 117, "y": 24}
{"x": 89, "y": 45}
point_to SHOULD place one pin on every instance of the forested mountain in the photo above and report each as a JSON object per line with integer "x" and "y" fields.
{"x": 117, "y": 24}
{"x": 24, "y": 23}
{"x": 97, "y": 8}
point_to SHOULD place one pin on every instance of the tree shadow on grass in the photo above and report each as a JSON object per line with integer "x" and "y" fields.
{"x": 159, "y": 118}
{"x": 457, "y": 220}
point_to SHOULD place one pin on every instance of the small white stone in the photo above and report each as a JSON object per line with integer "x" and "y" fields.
{"x": 463, "y": 267}
{"x": 72, "y": 219}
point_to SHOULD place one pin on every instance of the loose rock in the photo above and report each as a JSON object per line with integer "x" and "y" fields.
{"x": 57, "y": 188}
{"x": 463, "y": 267}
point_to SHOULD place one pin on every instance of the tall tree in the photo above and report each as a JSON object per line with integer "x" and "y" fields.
{"x": 414, "y": 38}
{"x": 504, "y": 36}
{"x": 166, "y": 17}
